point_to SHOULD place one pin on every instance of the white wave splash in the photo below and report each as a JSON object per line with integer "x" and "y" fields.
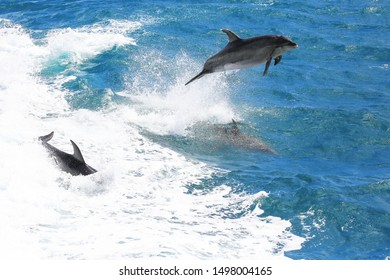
{"x": 76, "y": 45}
{"x": 167, "y": 106}
{"x": 138, "y": 205}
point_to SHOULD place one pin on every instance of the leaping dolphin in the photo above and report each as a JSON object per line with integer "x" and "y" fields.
{"x": 73, "y": 164}
{"x": 245, "y": 53}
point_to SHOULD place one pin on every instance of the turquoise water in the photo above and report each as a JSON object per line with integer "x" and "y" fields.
{"x": 110, "y": 75}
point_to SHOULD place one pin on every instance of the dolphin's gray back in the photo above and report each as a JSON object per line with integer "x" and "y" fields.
{"x": 234, "y": 136}
{"x": 244, "y": 53}
{"x": 253, "y": 143}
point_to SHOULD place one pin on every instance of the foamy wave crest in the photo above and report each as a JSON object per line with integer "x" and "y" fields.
{"x": 74, "y": 45}
{"x": 24, "y": 97}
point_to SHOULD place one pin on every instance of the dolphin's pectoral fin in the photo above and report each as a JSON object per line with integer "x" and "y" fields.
{"x": 267, "y": 66}
{"x": 46, "y": 138}
{"x": 278, "y": 59}
{"x": 232, "y": 36}
{"x": 76, "y": 152}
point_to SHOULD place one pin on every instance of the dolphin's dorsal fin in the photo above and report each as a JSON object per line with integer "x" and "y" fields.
{"x": 235, "y": 129}
{"x": 46, "y": 138}
{"x": 76, "y": 152}
{"x": 232, "y": 37}
{"x": 234, "y": 124}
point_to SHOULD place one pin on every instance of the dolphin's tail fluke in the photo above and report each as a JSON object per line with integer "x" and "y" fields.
{"x": 46, "y": 138}
{"x": 200, "y": 75}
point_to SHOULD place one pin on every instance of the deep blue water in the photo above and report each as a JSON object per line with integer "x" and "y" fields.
{"x": 325, "y": 108}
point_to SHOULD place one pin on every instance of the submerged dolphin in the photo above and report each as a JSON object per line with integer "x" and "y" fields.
{"x": 244, "y": 53}
{"x": 235, "y": 137}
{"x": 73, "y": 164}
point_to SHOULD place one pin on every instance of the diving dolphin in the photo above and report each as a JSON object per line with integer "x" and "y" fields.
{"x": 240, "y": 139}
{"x": 245, "y": 53}
{"x": 73, "y": 164}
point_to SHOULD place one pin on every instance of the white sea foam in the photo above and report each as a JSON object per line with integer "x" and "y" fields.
{"x": 138, "y": 204}
{"x": 171, "y": 107}
{"x": 86, "y": 42}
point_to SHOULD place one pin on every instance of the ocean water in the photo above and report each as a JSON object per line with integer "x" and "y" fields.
{"x": 110, "y": 76}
